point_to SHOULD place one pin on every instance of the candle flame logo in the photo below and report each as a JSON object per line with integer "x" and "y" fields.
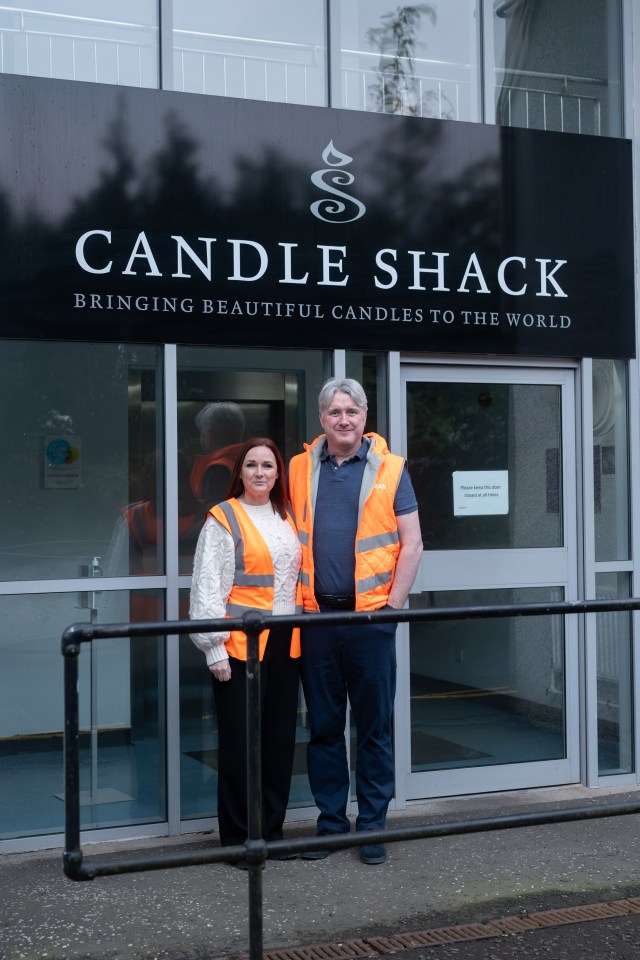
{"x": 339, "y": 207}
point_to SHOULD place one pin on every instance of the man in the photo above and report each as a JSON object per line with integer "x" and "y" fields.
{"x": 221, "y": 427}
{"x": 358, "y": 524}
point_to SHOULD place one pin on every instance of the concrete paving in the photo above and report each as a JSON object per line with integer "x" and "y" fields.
{"x": 198, "y": 912}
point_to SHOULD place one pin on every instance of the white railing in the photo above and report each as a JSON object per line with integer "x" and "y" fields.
{"x": 406, "y": 86}
{"x": 546, "y": 101}
{"x": 420, "y": 95}
{"x": 56, "y": 45}
{"x": 248, "y": 67}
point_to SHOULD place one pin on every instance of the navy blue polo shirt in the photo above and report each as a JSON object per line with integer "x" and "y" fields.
{"x": 335, "y": 520}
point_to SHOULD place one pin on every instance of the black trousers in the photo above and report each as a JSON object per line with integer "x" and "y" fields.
{"x": 279, "y": 675}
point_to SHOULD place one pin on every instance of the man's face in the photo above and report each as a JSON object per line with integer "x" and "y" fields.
{"x": 343, "y": 422}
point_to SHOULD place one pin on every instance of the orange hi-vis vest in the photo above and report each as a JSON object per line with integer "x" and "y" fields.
{"x": 254, "y": 578}
{"x": 225, "y": 457}
{"x": 144, "y": 524}
{"x": 377, "y": 543}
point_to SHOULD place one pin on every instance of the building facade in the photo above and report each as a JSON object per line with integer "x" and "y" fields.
{"x": 204, "y": 203}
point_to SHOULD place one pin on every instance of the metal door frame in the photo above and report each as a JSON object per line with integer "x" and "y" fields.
{"x": 564, "y": 572}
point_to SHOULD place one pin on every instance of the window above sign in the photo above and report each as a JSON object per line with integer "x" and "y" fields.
{"x": 529, "y": 63}
{"x": 107, "y": 42}
{"x": 252, "y": 50}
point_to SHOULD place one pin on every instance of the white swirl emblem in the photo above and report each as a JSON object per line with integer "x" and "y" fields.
{"x": 330, "y": 179}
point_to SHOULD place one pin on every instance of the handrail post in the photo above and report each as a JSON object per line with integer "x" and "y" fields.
{"x": 253, "y": 625}
{"x": 71, "y": 759}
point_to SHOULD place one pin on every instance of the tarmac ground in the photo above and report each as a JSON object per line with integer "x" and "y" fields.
{"x": 594, "y": 940}
{"x": 339, "y": 908}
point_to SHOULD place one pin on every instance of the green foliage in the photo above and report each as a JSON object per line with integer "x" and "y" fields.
{"x": 396, "y": 40}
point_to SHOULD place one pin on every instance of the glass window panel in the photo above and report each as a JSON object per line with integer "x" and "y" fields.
{"x": 558, "y": 65}
{"x": 412, "y": 59}
{"x": 251, "y": 49}
{"x": 370, "y": 369}
{"x": 227, "y": 395}
{"x": 454, "y": 427}
{"x": 224, "y": 396}
{"x": 59, "y": 38}
{"x": 487, "y": 692}
{"x": 82, "y": 436}
{"x": 615, "y": 671}
{"x": 122, "y": 725}
{"x": 611, "y": 460}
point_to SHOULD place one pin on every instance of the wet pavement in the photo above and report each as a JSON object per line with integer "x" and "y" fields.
{"x": 198, "y": 912}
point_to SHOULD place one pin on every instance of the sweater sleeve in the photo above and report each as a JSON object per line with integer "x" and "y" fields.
{"x": 213, "y": 572}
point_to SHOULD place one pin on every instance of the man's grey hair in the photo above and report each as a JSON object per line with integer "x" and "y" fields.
{"x": 346, "y": 385}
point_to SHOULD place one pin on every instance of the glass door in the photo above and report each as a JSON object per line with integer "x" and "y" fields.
{"x": 492, "y": 704}
{"x": 223, "y": 397}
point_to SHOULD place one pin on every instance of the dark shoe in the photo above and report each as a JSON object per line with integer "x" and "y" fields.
{"x": 284, "y": 856}
{"x": 373, "y": 853}
{"x": 317, "y": 854}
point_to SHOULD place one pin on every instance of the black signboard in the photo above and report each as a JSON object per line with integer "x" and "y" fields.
{"x": 151, "y": 216}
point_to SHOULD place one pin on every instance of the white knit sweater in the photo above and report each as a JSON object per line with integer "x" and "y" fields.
{"x": 214, "y": 568}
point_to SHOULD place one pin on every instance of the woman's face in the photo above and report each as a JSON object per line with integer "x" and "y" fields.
{"x": 259, "y": 473}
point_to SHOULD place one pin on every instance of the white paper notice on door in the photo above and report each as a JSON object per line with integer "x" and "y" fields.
{"x": 478, "y": 492}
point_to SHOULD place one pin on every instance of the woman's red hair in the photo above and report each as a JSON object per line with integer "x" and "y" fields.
{"x": 278, "y": 494}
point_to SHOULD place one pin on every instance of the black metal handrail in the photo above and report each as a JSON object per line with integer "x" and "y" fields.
{"x": 256, "y": 850}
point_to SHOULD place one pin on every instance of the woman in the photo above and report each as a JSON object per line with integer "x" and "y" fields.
{"x": 250, "y": 535}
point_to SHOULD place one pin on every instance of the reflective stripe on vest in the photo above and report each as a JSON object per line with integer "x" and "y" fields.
{"x": 382, "y": 540}
{"x": 241, "y": 577}
{"x": 370, "y": 583}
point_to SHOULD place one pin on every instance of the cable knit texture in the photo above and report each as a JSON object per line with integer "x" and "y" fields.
{"x": 214, "y": 568}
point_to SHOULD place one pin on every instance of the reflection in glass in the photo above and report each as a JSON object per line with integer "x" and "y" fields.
{"x": 411, "y": 59}
{"x": 82, "y": 437}
{"x": 122, "y": 726}
{"x": 610, "y": 460}
{"x": 558, "y": 65}
{"x": 251, "y": 49}
{"x": 487, "y": 692}
{"x": 62, "y": 40}
{"x": 226, "y": 395}
{"x": 453, "y": 427}
{"x": 615, "y": 666}
{"x": 370, "y": 369}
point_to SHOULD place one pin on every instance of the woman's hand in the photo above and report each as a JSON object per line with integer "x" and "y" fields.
{"x": 221, "y": 670}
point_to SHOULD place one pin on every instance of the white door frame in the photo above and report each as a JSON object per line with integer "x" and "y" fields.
{"x": 557, "y": 567}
